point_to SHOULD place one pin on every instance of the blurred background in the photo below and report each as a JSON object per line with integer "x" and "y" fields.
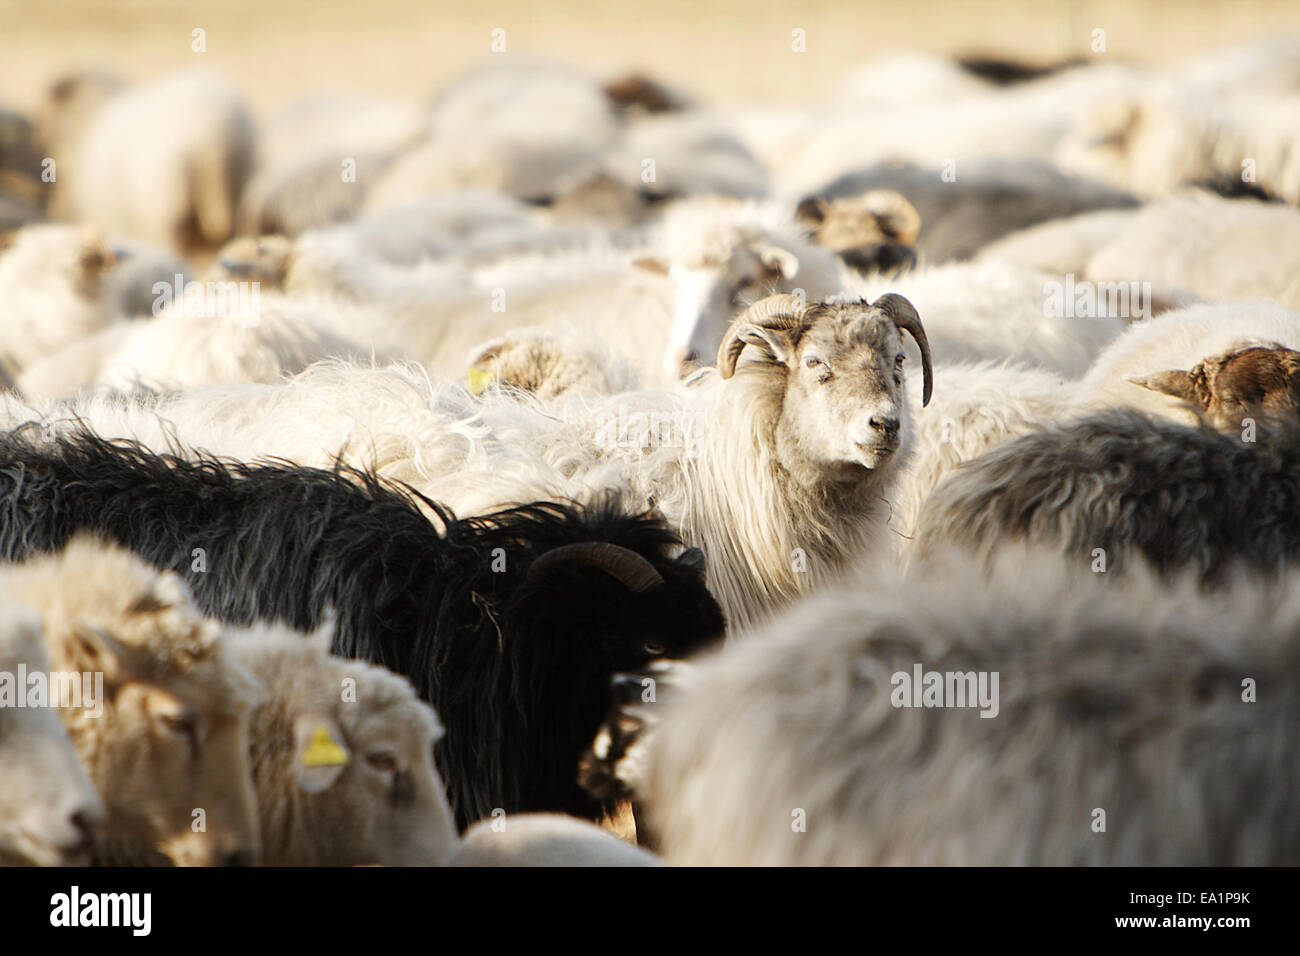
{"x": 724, "y": 51}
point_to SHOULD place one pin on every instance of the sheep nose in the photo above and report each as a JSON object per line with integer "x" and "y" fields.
{"x": 886, "y": 425}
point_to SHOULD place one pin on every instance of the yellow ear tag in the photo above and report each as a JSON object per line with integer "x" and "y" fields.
{"x": 324, "y": 751}
{"x": 479, "y": 380}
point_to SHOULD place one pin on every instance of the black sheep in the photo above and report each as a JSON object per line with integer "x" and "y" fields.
{"x": 510, "y": 625}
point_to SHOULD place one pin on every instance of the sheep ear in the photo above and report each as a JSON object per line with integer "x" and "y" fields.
{"x": 812, "y": 211}
{"x": 778, "y": 260}
{"x": 651, "y": 264}
{"x": 319, "y": 754}
{"x": 1176, "y": 382}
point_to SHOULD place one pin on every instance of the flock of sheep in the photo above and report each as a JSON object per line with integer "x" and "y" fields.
{"x": 561, "y": 465}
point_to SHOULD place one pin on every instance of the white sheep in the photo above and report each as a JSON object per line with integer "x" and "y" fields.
{"x": 1116, "y": 732}
{"x": 231, "y": 338}
{"x": 47, "y": 802}
{"x": 994, "y": 312}
{"x": 52, "y": 291}
{"x": 163, "y": 162}
{"x": 167, "y": 730}
{"x": 342, "y": 758}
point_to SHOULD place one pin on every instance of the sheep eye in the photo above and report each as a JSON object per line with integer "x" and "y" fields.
{"x": 812, "y": 362}
{"x": 654, "y": 650}
{"x": 898, "y": 362}
{"x": 382, "y": 761}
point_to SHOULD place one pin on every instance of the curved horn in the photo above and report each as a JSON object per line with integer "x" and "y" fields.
{"x": 904, "y": 315}
{"x": 779, "y": 312}
{"x": 629, "y": 568}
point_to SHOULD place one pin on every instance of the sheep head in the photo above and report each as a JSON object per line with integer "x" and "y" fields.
{"x": 874, "y": 232}
{"x": 843, "y": 408}
{"x": 727, "y": 267}
{"x": 1256, "y": 382}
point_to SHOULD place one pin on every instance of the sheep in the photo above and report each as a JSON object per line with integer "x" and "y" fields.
{"x": 1119, "y": 485}
{"x": 47, "y": 802}
{"x": 342, "y": 758}
{"x": 779, "y": 467}
{"x": 815, "y": 469}
{"x": 1163, "y": 140}
{"x": 1060, "y": 246}
{"x": 1218, "y": 249}
{"x": 720, "y": 254}
{"x": 876, "y": 231}
{"x": 545, "y": 839}
{"x": 977, "y": 407}
{"x": 523, "y": 129}
{"x": 1134, "y": 371}
{"x": 510, "y": 625}
{"x": 1115, "y": 697}
{"x": 163, "y": 162}
{"x": 987, "y": 200}
{"x": 52, "y": 291}
{"x": 167, "y": 735}
{"x": 548, "y": 365}
{"x": 318, "y": 157}
{"x": 991, "y": 311}
{"x": 233, "y": 336}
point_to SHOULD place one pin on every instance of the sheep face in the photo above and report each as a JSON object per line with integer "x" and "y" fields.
{"x": 47, "y": 801}
{"x": 843, "y": 409}
{"x": 1229, "y": 389}
{"x": 875, "y": 232}
{"x": 708, "y": 289}
{"x": 183, "y": 731}
{"x": 388, "y": 804}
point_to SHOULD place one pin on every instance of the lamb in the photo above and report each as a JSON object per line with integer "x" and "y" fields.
{"x": 1119, "y": 703}
{"x": 874, "y": 232}
{"x": 1118, "y": 486}
{"x": 47, "y": 802}
{"x": 546, "y": 839}
{"x": 342, "y": 758}
{"x": 1137, "y": 369}
{"x": 163, "y": 162}
{"x": 510, "y": 625}
{"x": 52, "y": 291}
{"x": 167, "y": 736}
